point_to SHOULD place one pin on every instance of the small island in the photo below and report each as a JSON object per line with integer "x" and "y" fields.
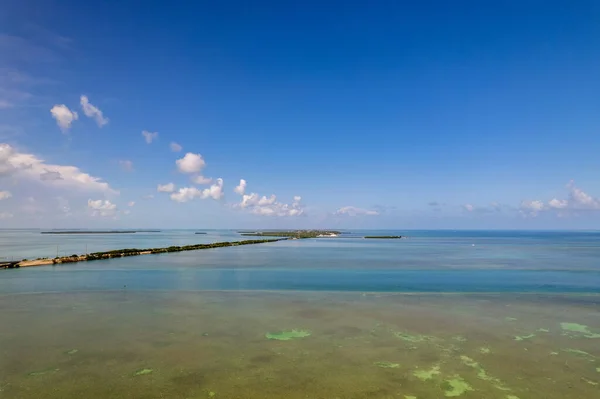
{"x": 384, "y": 237}
{"x": 295, "y": 234}
{"x": 199, "y": 232}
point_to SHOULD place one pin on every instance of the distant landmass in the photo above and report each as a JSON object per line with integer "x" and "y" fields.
{"x": 100, "y": 231}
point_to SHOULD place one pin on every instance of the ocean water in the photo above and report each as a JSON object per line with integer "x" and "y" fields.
{"x": 510, "y": 315}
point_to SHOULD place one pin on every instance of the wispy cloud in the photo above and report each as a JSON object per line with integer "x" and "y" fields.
{"x": 126, "y": 165}
{"x": 91, "y": 111}
{"x": 175, "y": 147}
{"x": 5, "y": 195}
{"x": 165, "y": 188}
{"x": 149, "y": 136}
{"x": 354, "y": 211}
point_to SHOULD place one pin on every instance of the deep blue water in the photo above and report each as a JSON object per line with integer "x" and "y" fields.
{"x": 428, "y": 261}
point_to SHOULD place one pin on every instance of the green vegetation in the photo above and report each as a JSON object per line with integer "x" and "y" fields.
{"x": 484, "y": 350}
{"x": 425, "y": 375}
{"x": 413, "y": 338}
{"x": 42, "y": 372}
{"x": 383, "y": 237}
{"x": 293, "y": 233}
{"x": 119, "y": 253}
{"x": 143, "y": 372}
{"x": 72, "y": 351}
{"x": 387, "y": 365}
{"x": 287, "y": 335}
{"x": 524, "y": 337}
{"x": 574, "y": 329}
{"x": 456, "y": 386}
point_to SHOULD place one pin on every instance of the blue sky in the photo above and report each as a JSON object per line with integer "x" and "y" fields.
{"x": 377, "y": 114}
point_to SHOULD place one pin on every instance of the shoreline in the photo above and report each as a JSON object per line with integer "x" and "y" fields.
{"x": 121, "y": 253}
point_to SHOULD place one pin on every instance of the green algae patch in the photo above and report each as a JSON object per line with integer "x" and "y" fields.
{"x": 598, "y": 369}
{"x": 553, "y": 353}
{"x": 510, "y": 319}
{"x": 482, "y": 373}
{"x": 524, "y": 337}
{"x": 459, "y": 338}
{"x": 72, "y": 351}
{"x": 413, "y": 338}
{"x": 572, "y": 329}
{"x": 594, "y": 383}
{"x": 578, "y": 352}
{"x": 387, "y": 365}
{"x": 425, "y": 375}
{"x": 143, "y": 372}
{"x": 42, "y": 372}
{"x": 511, "y": 397}
{"x": 543, "y": 330}
{"x": 456, "y": 386}
{"x": 287, "y": 335}
{"x": 409, "y": 397}
{"x": 212, "y": 394}
{"x": 484, "y": 350}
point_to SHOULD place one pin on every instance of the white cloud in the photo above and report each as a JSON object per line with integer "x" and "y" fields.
{"x": 92, "y": 111}
{"x": 102, "y": 207}
{"x": 531, "y": 208}
{"x": 175, "y": 147}
{"x": 578, "y": 199}
{"x": 186, "y": 194}
{"x": 165, "y": 188}
{"x": 5, "y": 215}
{"x": 131, "y": 203}
{"x": 29, "y": 166}
{"x": 126, "y": 165}
{"x": 149, "y": 136}
{"x": 50, "y": 175}
{"x": 241, "y": 188}
{"x": 201, "y": 180}
{"x": 64, "y": 116}
{"x": 469, "y": 207}
{"x": 5, "y": 195}
{"x": 126, "y": 212}
{"x": 190, "y": 163}
{"x": 147, "y": 196}
{"x": 558, "y": 204}
{"x": 354, "y": 211}
{"x": 267, "y": 206}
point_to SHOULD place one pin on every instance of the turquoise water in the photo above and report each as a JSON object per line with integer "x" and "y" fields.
{"x": 427, "y": 261}
{"x": 505, "y": 315}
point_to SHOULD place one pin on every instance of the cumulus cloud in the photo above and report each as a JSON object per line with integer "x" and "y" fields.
{"x": 29, "y": 166}
{"x": 149, "y": 136}
{"x": 576, "y": 201}
{"x": 175, "y": 147}
{"x": 469, "y": 207}
{"x": 5, "y": 195}
{"x": 64, "y": 116}
{"x": 267, "y": 206}
{"x": 165, "y": 188}
{"x": 102, "y": 207}
{"x": 126, "y": 165}
{"x": 92, "y": 111}
{"x": 354, "y": 211}
{"x": 190, "y": 163}
{"x": 201, "y": 180}
{"x": 50, "y": 175}
{"x": 186, "y": 194}
{"x": 131, "y": 203}
{"x": 241, "y": 188}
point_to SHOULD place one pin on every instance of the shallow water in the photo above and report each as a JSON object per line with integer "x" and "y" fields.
{"x": 189, "y": 344}
{"x": 517, "y": 315}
